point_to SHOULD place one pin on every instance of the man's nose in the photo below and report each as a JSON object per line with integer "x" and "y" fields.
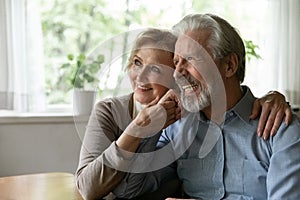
{"x": 181, "y": 65}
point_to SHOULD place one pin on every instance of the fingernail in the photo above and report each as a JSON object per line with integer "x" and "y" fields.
{"x": 259, "y": 133}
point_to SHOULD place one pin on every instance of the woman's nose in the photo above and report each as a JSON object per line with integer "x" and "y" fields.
{"x": 142, "y": 74}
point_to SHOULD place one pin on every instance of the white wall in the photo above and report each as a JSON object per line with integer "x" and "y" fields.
{"x": 39, "y": 144}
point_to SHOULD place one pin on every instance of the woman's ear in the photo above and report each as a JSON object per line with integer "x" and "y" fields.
{"x": 231, "y": 65}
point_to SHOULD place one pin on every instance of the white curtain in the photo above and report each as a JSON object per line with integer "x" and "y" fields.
{"x": 282, "y": 61}
{"x": 22, "y": 80}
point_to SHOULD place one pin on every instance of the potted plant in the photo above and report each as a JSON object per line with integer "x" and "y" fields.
{"x": 81, "y": 76}
{"x": 251, "y": 50}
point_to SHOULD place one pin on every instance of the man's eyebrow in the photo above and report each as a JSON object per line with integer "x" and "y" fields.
{"x": 136, "y": 56}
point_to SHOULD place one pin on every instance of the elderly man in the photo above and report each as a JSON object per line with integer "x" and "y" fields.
{"x": 218, "y": 154}
{"x": 225, "y": 159}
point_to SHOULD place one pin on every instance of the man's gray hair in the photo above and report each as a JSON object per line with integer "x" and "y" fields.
{"x": 224, "y": 38}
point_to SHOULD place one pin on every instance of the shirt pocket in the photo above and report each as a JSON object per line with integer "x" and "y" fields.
{"x": 254, "y": 178}
{"x": 199, "y": 177}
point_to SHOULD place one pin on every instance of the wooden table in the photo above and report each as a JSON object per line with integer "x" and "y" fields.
{"x": 45, "y": 186}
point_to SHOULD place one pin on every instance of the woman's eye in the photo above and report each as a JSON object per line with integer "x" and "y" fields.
{"x": 137, "y": 63}
{"x": 154, "y": 68}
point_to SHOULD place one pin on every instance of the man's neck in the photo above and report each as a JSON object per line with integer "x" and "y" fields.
{"x": 216, "y": 111}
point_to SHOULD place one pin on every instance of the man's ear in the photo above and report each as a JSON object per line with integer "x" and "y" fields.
{"x": 231, "y": 65}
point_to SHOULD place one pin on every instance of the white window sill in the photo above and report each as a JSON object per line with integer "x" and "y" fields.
{"x": 10, "y": 117}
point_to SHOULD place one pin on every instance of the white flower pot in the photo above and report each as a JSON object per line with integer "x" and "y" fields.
{"x": 83, "y": 101}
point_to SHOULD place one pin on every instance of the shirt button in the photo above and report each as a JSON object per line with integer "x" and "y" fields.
{"x": 220, "y": 190}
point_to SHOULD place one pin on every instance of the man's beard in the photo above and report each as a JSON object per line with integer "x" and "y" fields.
{"x": 194, "y": 102}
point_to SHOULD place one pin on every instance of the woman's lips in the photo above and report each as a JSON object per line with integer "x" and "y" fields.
{"x": 143, "y": 88}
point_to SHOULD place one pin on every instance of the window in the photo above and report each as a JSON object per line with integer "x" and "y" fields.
{"x": 79, "y": 27}
{"x": 55, "y": 29}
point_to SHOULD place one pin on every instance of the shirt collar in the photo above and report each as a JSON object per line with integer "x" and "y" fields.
{"x": 243, "y": 108}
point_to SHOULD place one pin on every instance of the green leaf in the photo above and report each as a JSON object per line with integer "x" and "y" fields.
{"x": 89, "y": 78}
{"x": 100, "y": 59}
{"x": 65, "y": 65}
{"x": 251, "y": 50}
{"x": 81, "y": 57}
{"x": 70, "y": 57}
{"x": 94, "y": 68}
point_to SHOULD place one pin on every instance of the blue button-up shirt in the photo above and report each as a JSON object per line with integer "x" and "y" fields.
{"x": 227, "y": 161}
{"x": 230, "y": 161}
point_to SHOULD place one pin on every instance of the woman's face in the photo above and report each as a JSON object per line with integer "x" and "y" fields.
{"x": 151, "y": 74}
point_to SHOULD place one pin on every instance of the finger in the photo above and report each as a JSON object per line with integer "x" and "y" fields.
{"x": 263, "y": 119}
{"x": 166, "y": 97}
{"x": 169, "y": 122}
{"x": 277, "y": 122}
{"x": 269, "y": 124}
{"x": 168, "y": 104}
{"x": 256, "y": 109}
{"x": 153, "y": 102}
{"x": 173, "y": 115}
{"x": 170, "y": 117}
{"x": 288, "y": 115}
{"x": 178, "y": 113}
{"x": 171, "y": 95}
{"x": 171, "y": 111}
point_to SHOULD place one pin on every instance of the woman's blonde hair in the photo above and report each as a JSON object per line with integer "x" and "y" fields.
{"x": 155, "y": 39}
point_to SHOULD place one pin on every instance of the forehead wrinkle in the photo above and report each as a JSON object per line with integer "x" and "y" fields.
{"x": 187, "y": 46}
{"x": 184, "y": 46}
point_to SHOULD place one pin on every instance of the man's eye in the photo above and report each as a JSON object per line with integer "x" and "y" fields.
{"x": 154, "y": 68}
{"x": 193, "y": 59}
{"x": 137, "y": 63}
{"x": 189, "y": 58}
{"x": 175, "y": 61}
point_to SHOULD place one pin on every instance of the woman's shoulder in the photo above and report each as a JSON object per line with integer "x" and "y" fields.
{"x": 117, "y": 109}
{"x": 116, "y": 101}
